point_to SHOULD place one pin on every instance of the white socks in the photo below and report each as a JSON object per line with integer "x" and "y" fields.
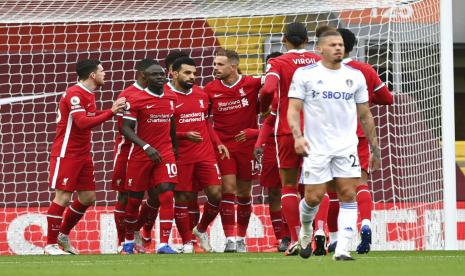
{"x": 347, "y": 226}
{"x": 307, "y": 214}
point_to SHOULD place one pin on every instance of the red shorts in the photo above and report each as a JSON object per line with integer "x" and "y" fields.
{"x": 287, "y": 157}
{"x": 119, "y": 174}
{"x": 270, "y": 172}
{"x": 363, "y": 153}
{"x": 70, "y": 174}
{"x": 143, "y": 175}
{"x": 241, "y": 163}
{"x": 205, "y": 173}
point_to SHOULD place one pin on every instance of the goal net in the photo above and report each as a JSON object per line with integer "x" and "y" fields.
{"x": 42, "y": 40}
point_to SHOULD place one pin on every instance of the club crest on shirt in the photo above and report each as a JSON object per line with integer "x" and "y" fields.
{"x": 242, "y": 92}
{"x": 201, "y": 104}
{"x": 349, "y": 83}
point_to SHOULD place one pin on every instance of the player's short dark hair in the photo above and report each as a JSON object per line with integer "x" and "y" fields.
{"x": 349, "y": 39}
{"x": 273, "y": 55}
{"x": 172, "y": 56}
{"x": 145, "y": 63}
{"x": 232, "y": 55}
{"x": 176, "y": 66}
{"x": 85, "y": 67}
{"x": 296, "y": 33}
{"x": 325, "y": 31}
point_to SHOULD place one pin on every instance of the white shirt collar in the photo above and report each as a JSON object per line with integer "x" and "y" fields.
{"x": 84, "y": 87}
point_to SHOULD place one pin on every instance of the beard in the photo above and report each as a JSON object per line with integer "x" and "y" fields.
{"x": 186, "y": 85}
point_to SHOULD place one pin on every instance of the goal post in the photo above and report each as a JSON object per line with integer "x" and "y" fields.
{"x": 414, "y": 192}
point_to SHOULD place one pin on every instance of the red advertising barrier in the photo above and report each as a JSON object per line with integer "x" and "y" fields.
{"x": 395, "y": 227}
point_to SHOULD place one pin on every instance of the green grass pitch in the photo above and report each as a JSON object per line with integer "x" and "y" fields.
{"x": 435, "y": 263}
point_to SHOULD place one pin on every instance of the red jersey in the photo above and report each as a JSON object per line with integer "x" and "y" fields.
{"x": 190, "y": 115}
{"x": 283, "y": 67}
{"x": 234, "y": 107}
{"x": 153, "y": 114}
{"x": 71, "y": 141}
{"x": 122, "y": 145}
{"x": 378, "y": 93}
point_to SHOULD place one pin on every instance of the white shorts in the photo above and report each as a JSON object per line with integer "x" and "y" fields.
{"x": 319, "y": 169}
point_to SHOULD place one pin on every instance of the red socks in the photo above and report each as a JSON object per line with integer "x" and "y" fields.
{"x": 147, "y": 216}
{"x": 364, "y": 202}
{"x": 290, "y": 209}
{"x": 54, "y": 218}
{"x": 244, "y": 209}
{"x": 119, "y": 214}
{"x": 181, "y": 215}
{"x": 333, "y": 212}
{"x": 166, "y": 215}
{"x": 322, "y": 214}
{"x": 227, "y": 214}
{"x": 277, "y": 222}
{"x": 210, "y": 212}
{"x": 72, "y": 216}
{"x": 132, "y": 212}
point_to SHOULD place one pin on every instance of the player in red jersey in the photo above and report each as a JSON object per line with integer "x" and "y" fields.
{"x": 234, "y": 100}
{"x": 196, "y": 155}
{"x": 151, "y": 159}
{"x": 279, "y": 75}
{"x": 265, "y": 153}
{"x": 71, "y": 167}
{"x": 378, "y": 93}
{"x": 149, "y": 209}
{"x": 122, "y": 148}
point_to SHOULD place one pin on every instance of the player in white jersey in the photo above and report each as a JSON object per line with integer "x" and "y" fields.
{"x": 331, "y": 95}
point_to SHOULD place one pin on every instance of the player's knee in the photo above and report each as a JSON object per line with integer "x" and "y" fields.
{"x": 88, "y": 199}
{"x": 123, "y": 197}
{"x": 347, "y": 194}
{"x": 313, "y": 198}
{"x": 62, "y": 198}
{"x": 164, "y": 187}
{"x": 274, "y": 196}
{"x": 182, "y": 197}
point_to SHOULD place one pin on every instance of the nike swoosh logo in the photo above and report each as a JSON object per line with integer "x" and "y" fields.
{"x": 150, "y": 106}
{"x": 179, "y": 105}
{"x": 171, "y": 176}
{"x": 217, "y": 95}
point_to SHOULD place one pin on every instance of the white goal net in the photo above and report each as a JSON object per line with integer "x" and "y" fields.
{"x": 42, "y": 40}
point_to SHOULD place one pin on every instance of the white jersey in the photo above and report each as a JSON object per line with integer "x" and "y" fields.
{"x": 330, "y": 111}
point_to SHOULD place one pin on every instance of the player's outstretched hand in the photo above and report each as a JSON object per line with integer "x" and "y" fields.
{"x": 194, "y": 136}
{"x": 224, "y": 152}
{"x": 302, "y": 146}
{"x": 375, "y": 159}
{"x": 118, "y": 105}
{"x": 258, "y": 154}
{"x": 153, "y": 154}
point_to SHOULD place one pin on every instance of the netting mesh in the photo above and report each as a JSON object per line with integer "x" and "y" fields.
{"x": 44, "y": 39}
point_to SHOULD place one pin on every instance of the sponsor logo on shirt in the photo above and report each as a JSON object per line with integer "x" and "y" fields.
{"x": 191, "y": 117}
{"x": 337, "y": 95}
{"x": 159, "y": 118}
{"x": 237, "y": 104}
